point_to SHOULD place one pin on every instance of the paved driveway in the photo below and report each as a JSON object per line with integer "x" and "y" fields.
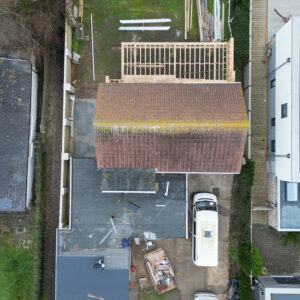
{"x": 191, "y": 278}
{"x": 216, "y": 277}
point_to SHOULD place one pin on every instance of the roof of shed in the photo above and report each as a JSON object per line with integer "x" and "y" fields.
{"x": 15, "y": 102}
{"x": 76, "y": 279}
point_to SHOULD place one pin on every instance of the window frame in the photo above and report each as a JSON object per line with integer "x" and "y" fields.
{"x": 273, "y": 122}
{"x": 284, "y": 108}
{"x": 273, "y": 146}
{"x": 273, "y": 83}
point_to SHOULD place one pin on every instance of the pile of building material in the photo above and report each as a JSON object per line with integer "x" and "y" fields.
{"x": 160, "y": 270}
{"x": 210, "y": 24}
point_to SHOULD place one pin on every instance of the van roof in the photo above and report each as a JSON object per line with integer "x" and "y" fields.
{"x": 207, "y": 238}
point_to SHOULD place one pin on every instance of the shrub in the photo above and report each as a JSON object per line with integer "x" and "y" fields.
{"x": 250, "y": 259}
{"x": 257, "y": 262}
{"x": 240, "y": 30}
{"x": 245, "y": 288}
{"x": 290, "y": 237}
{"x": 245, "y": 257}
{"x": 232, "y": 252}
{"x": 74, "y": 42}
{"x": 242, "y": 195}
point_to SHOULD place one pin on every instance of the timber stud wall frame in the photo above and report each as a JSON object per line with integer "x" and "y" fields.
{"x": 177, "y": 62}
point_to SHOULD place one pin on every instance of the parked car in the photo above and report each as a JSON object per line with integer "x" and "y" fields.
{"x": 205, "y": 296}
{"x": 205, "y": 230}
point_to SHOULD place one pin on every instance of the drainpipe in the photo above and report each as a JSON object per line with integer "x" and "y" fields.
{"x": 250, "y": 79}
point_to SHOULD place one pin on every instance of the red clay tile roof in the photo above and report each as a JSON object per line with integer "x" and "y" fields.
{"x": 171, "y": 127}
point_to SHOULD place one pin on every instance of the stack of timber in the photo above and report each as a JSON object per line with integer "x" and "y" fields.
{"x": 205, "y": 20}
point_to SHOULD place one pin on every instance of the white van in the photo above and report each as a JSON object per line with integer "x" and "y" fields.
{"x": 205, "y": 296}
{"x": 205, "y": 230}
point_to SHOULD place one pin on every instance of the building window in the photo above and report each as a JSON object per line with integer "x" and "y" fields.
{"x": 284, "y": 110}
{"x": 273, "y": 146}
{"x": 273, "y": 83}
{"x": 273, "y": 122}
{"x": 289, "y": 191}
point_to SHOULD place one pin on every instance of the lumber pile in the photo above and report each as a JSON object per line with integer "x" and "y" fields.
{"x": 206, "y": 20}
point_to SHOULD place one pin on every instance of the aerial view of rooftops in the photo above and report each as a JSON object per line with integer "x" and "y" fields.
{"x": 150, "y": 150}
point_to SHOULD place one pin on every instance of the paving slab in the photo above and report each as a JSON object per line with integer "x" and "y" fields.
{"x": 282, "y": 260}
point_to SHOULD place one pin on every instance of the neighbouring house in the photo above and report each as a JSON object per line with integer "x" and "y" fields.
{"x": 283, "y": 127}
{"x": 169, "y": 127}
{"x": 277, "y": 288}
{"x": 18, "y": 105}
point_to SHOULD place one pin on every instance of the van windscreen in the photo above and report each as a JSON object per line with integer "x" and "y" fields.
{"x": 206, "y": 205}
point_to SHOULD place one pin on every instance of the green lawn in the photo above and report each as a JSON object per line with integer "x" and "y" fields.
{"x": 15, "y": 269}
{"x": 152, "y": 295}
{"x": 106, "y": 16}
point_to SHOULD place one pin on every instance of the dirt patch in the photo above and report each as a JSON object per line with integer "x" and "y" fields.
{"x": 52, "y": 146}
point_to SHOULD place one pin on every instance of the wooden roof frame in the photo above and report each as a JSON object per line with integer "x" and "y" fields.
{"x": 177, "y": 62}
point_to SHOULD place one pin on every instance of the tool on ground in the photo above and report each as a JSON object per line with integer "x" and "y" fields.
{"x": 113, "y": 225}
{"x": 134, "y": 207}
{"x": 167, "y": 189}
{"x": 105, "y": 237}
{"x": 95, "y": 297}
{"x": 77, "y": 222}
{"x": 91, "y": 235}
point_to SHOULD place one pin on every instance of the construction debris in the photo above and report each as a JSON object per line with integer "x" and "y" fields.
{"x": 145, "y": 21}
{"x": 144, "y": 28}
{"x": 160, "y": 271}
{"x": 210, "y": 24}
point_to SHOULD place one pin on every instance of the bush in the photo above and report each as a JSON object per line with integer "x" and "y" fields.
{"x": 245, "y": 257}
{"x": 290, "y": 237}
{"x": 74, "y": 42}
{"x": 250, "y": 259}
{"x": 242, "y": 195}
{"x": 233, "y": 252}
{"x": 257, "y": 262}
{"x": 240, "y": 30}
{"x": 245, "y": 288}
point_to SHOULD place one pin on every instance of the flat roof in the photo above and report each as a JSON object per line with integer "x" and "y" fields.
{"x": 128, "y": 180}
{"x": 284, "y": 297}
{"x": 76, "y": 279}
{"x": 93, "y": 212}
{"x": 15, "y": 105}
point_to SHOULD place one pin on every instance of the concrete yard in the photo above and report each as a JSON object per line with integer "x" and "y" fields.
{"x": 191, "y": 278}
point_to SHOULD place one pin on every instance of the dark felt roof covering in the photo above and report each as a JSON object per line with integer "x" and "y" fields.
{"x": 76, "y": 278}
{"x": 15, "y": 97}
{"x": 171, "y": 127}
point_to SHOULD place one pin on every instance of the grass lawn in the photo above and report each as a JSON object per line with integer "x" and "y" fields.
{"x": 15, "y": 269}
{"x": 152, "y": 295}
{"x": 106, "y": 16}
